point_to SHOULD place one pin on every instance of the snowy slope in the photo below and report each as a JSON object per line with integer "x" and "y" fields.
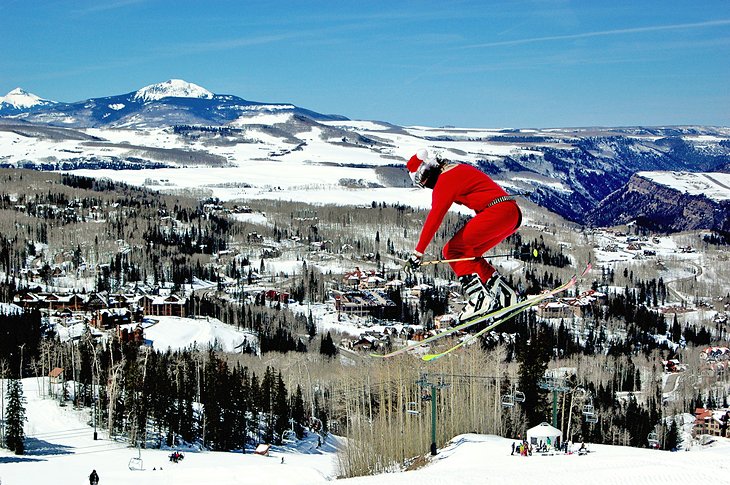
{"x": 178, "y": 333}
{"x": 271, "y": 153}
{"x": 715, "y": 186}
{"x": 60, "y": 445}
{"x": 60, "y": 449}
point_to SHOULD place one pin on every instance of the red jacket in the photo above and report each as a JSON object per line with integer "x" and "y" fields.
{"x": 463, "y": 184}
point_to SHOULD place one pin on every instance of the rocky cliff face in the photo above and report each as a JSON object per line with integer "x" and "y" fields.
{"x": 661, "y": 208}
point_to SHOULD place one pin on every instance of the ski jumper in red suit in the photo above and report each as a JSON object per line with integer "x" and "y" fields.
{"x": 466, "y": 185}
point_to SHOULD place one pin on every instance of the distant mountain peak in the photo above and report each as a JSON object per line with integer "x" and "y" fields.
{"x": 174, "y": 88}
{"x": 20, "y": 99}
{"x": 173, "y": 102}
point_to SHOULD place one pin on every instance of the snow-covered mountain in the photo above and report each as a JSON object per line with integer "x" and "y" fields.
{"x": 173, "y": 102}
{"x": 19, "y": 100}
{"x": 181, "y": 126}
{"x": 174, "y": 88}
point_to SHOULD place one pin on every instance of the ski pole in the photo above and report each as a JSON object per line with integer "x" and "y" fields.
{"x": 440, "y": 261}
{"x": 534, "y": 254}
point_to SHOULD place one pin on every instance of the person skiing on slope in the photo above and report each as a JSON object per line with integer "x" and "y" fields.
{"x": 497, "y": 216}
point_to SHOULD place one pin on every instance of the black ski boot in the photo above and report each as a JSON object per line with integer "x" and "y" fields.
{"x": 482, "y": 299}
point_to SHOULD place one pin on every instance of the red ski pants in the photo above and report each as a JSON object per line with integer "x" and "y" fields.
{"x": 483, "y": 232}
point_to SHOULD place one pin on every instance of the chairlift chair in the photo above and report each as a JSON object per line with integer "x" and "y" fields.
{"x": 591, "y": 418}
{"x": 289, "y": 436}
{"x": 135, "y": 464}
{"x": 413, "y": 408}
{"x": 519, "y": 396}
{"x": 588, "y": 410}
{"x": 508, "y": 401}
{"x": 652, "y": 438}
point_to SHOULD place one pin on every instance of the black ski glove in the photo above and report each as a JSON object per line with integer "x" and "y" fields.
{"x": 414, "y": 262}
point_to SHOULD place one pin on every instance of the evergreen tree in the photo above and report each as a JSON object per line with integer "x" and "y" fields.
{"x": 311, "y": 326}
{"x": 281, "y": 408}
{"x": 298, "y": 413}
{"x": 327, "y": 346}
{"x": 239, "y": 408}
{"x": 266, "y": 404}
{"x": 213, "y": 397}
{"x": 533, "y": 357}
{"x": 672, "y": 440}
{"x": 184, "y": 395}
{"x": 676, "y": 330}
{"x": 15, "y": 418}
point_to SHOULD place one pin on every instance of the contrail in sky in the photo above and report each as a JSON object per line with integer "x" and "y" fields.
{"x": 603, "y": 33}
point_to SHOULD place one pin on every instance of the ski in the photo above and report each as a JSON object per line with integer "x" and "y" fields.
{"x": 472, "y": 337}
{"x": 462, "y": 326}
{"x": 488, "y": 316}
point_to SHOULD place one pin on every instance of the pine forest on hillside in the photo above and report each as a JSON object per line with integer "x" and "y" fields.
{"x": 261, "y": 260}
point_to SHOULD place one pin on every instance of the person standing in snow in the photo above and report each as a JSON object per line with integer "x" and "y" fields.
{"x": 93, "y": 478}
{"x": 497, "y": 216}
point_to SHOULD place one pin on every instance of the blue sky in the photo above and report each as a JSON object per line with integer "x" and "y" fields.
{"x": 509, "y": 63}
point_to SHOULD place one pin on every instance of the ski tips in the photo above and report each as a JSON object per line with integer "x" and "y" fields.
{"x": 585, "y": 271}
{"x": 430, "y": 357}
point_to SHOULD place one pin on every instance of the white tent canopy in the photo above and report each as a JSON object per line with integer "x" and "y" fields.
{"x": 541, "y": 433}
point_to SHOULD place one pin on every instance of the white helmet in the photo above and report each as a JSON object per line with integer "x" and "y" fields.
{"x": 418, "y": 166}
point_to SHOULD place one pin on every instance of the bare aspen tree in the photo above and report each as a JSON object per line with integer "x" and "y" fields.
{"x": 113, "y": 392}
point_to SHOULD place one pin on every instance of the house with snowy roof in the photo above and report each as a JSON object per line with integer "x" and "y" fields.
{"x": 711, "y": 422}
{"x": 27, "y": 300}
{"x": 416, "y": 291}
{"x": 97, "y": 301}
{"x": 56, "y": 375}
{"x": 50, "y": 301}
{"x": 366, "y": 343}
{"x": 167, "y": 305}
{"x": 363, "y": 279}
{"x": 445, "y": 321}
{"x": 554, "y": 309}
{"x": 112, "y": 318}
{"x": 372, "y": 281}
{"x": 394, "y": 284}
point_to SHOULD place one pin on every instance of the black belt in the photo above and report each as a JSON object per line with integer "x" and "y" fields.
{"x": 503, "y": 198}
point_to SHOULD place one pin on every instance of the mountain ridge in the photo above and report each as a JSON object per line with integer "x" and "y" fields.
{"x": 162, "y": 104}
{"x": 661, "y": 207}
